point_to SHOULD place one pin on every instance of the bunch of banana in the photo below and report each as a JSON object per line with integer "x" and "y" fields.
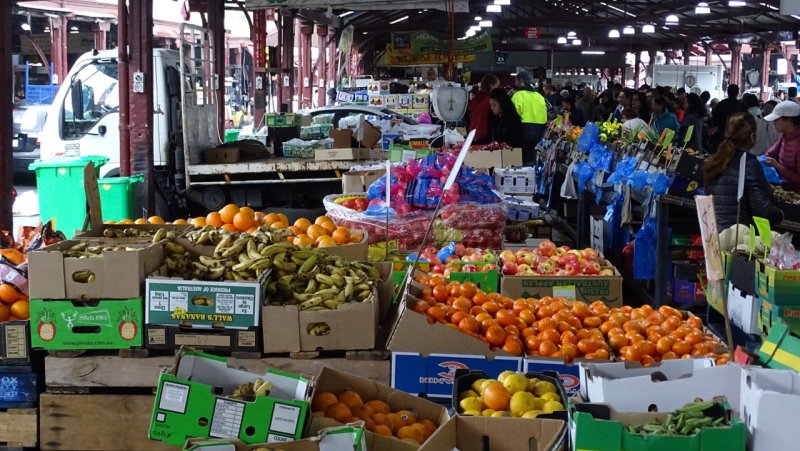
{"x": 789, "y": 197}
{"x": 131, "y": 232}
{"x": 85, "y": 249}
{"x": 240, "y": 260}
{"x": 212, "y": 236}
{"x": 318, "y": 329}
{"x": 250, "y": 390}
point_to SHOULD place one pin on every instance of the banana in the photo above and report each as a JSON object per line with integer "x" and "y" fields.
{"x": 313, "y": 302}
{"x": 332, "y": 304}
{"x": 308, "y": 265}
{"x": 252, "y": 251}
{"x": 302, "y": 297}
{"x": 363, "y": 296}
{"x": 216, "y": 273}
{"x": 222, "y": 245}
{"x": 210, "y": 262}
{"x": 80, "y": 247}
{"x": 264, "y": 389}
{"x": 243, "y": 257}
{"x": 257, "y": 384}
{"x": 174, "y": 248}
{"x": 160, "y": 235}
{"x": 280, "y": 262}
{"x": 363, "y": 287}
{"x": 329, "y": 293}
{"x": 348, "y": 290}
{"x": 83, "y": 276}
{"x": 275, "y": 249}
{"x": 235, "y": 249}
{"x": 311, "y": 286}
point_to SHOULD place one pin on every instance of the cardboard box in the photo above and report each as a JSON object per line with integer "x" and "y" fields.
{"x": 742, "y": 273}
{"x": 781, "y": 348}
{"x": 515, "y": 180}
{"x": 117, "y": 274}
{"x": 568, "y": 372}
{"x": 330, "y": 439}
{"x": 743, "y": 310}
{"x": 341, "y": 154}
{"x": 662, "y": 387}
{"x": 778, "y": 286}
{"x": 769, "y": 402}
{"x": 374, "y": 88}
{"x": 391, "y": 101}
{"x": 599, "y": 232}
{"x": 103, "y": 324}
{"x": 496, "y": 434}
{"x": 378, "y": 101}
{"x": 354, "y": 252}
{"x": 485, "y": 159}
{"x": 337, "y": 381}
{"x": 14, "y": 342}
{"x": 193, "y": 399}
{"x": 388, "y": 140}
{"x": 398, "y": 155}
{"x": 358, "y": 182}
{"x": 600, "y": 427}
{"x": 178, "y": 302}
{"x": 582, "y": 288}
{"x": 770, "y": 314}
{"x": 219, "y": 340}
{"x": 342, "y": 137}
{"x": 521, "y": 209}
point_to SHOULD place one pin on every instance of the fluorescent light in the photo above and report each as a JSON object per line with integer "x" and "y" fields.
{"x": 502, "y": 2}
{"x": 767, "y": 5}
{"x": 470, "y": 33}
{"x": 577, "y": 42}
{"x": 613, "y": 34}
{"x": 593, "y": 52}
{"x": 485, "y": 24}
{"x": 571, "y": 35}
{"x": 562, "y": 40}
{"x": 672, "y": 18}
{"x": 475, "y": 28}
{"x": 494, "y": 9}
{"x": 617, "y": 9}
{"x": 648, "y": 29}
{"x": 796, "y": 17}
{"x": 702, "y": 8}
{"x": 478, "y": 18}
{"x": 26, "y": 26}
{"x": 345, "y": 14}
{"x": 398, "y": 20}
{"x": 628, "y": 30}
{"x": 736, "y": 3}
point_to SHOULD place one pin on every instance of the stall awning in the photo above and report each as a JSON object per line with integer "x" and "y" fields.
{"x": 461, "y": 6}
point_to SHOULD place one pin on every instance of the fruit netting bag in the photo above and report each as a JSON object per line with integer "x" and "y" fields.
{"x": 583, "y": 172}
{"x": 770, "y": 172}
{"x": 600, "y": 157}
{"x": 474, "y": 224}
{"x": 589, "y": 137}
{"x": 644, "y": 251}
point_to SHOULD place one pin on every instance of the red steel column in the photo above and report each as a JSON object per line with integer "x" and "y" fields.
{"x": 259, "y": 37}
{"x": 322, "y": 64}
{"x": 306, "y": 30}
{"x": 287, "y": 52}
{"x": 141, "y": 103}
{"x": 6, "y": 86}
{"x": 216, "y": 21}
{"x": 709, "y": 53}
{"x": 735, "y": 77}
{"x": 101, "y": 30}
{"x": 332, "y": 62}
{"x": 58, "y": 47}
{"x": 124, "y": 91}
{"x": 766, "y": 55}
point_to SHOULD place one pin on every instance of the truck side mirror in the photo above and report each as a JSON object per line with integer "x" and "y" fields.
{"x": 76, "y": 96}
{"x": 102, "y": 130}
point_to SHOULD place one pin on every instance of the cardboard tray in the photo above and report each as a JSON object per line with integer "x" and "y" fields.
{"x": 497, "y": 434}
{"x": 226, "y": 340}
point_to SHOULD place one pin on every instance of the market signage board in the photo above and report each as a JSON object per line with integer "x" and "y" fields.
{"x": 424, "y": 43}
{"x": 533, "y": 32}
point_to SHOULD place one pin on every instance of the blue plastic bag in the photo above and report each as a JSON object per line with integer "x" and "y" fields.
{"x": 638, "y": 180}
{"x": 589, "y": 137}
{"x": 600, "y": 157}
{"x": 583, "y": 172}
{"x": 770, "y": 172}
{"x": 644, "y": 251}
{"x": 659, "y": 182}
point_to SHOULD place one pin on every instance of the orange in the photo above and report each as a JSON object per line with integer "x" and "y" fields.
{"x": 248, "y": 210}
{"x": 496, "y": 396}
{"x": 351, "y": 399}
{"x": 384, "y": 430}
{"x": 407, "y": 417}
{"x": 395, "y": 422}
{"x": 244, "y": 220}
{"x": 283, "y": 218}
{"x": 270, "y": 219}
{"x": 279, "y": 225}
{"x": 356, "y": 237}
{"x": 4, "y": 313}
{"x": 228, "y": 212}
{"x": 230, "y": 228}
{"x": 325, "y": 241}
{"x": 410, "y": 432}
{"x": 126, "y": 221}
{"x": 140, "y": 221}
{"x": 302, "y": 224}
{"x": 323, "y": 400}
{"x": 198, "y": 221}
{"x": 362, "y": 412}
{"x": 341, "y": 235}
{"x": 430, "y": 427}
{"x": 303, "y": 240}
{"x": 155, "y": 220}
{"x": 339, "y": 412}
{"x": 322, "y": 219}
{"x": 14, "y": 256}
{"x": 8, "y": 293}
{"x": 21, "y": 309}
{"x": 180, "y": 222}
{"x": 316, "y": 231}
{"x": 214, "y": 219}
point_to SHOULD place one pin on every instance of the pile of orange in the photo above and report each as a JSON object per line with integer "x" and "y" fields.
{"x": 322, "y": 233}
{"x": 15, "y": 305}
{"x": 377, "y": 416}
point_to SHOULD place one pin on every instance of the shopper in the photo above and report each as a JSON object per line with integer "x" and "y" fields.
{"x": 576, "y": 116}
{"x": 723, "y": 111}
{"x": 721, "y": 174}
{"x": 695, "y": 116}
{"x": 624, "y": 99}
{"x": 553, "y": 97}
{"x": 791, "y": 94}
{"x": 479, "y": 109}
{"x": 766, "y": 134}
{"x": 532, "y": 109}
{"x": 586, "y": 103}
{"x": 640, "y": 104}
{"x": 784, "y": 155}
{"x": 505, "y": 124}
{"x": 633, "y": 123}
{"x": 751, "y": 102}
{"x": 605, "y": 106}
{"x": 705, "y": 97}
{"x": 662, "y": 116}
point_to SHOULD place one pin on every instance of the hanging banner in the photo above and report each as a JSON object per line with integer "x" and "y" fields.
{"x": 393, "y": 59}
{"x": 533, "y": 32}
{"x": 346, "y": 40}
{"x": 424, "y": 43}
{"x": 459, "y": 6}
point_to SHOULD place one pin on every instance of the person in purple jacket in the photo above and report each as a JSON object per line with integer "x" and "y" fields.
{"x": 784, "y": 155}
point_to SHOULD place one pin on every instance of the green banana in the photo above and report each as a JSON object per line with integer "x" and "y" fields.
{"x": 243, "y": 266}
{"x": 175, "y": 248}
{"x": 216, "y": 273}
{"x": 159, "y": 235}
{"x": 302, "y": 297}
{"x": 332, "y": 304}
{"x": 275, "y": 249}
{"x": 308, "y": 265}
{"x": 235, "y": 249}
{"x": 313, "y": 302}
{"x": 311, "y": 286}
{"x": 252, "y": 251}
{"x": 280, "y": 262}
{"x": 222, "y": 245}
{"x": 210, "y": 262}
{"x": 348, "y": 290}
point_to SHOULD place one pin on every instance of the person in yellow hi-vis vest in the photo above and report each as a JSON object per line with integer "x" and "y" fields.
{"x": 532, "y": 108}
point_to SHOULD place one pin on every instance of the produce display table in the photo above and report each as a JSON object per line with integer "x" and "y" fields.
{"x": 272, "y": 170}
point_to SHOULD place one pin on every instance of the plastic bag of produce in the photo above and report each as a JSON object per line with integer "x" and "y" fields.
{"x": 583, "y": 172}
{"x": 638, "y": 180}
{"x": 600, "y": 157}
{"x": 644, "y": 251}
{"x": 770, "y": 172}
{"x": 623, "y": 170}
{"x": 480, "y": 225}
{"x": 589, "y": 137}
{"x": 659, "y": 182}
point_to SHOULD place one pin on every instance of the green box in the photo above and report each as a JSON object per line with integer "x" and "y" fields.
{"x": 118, "y": 197}
{"x": 279, "y": 119}
{"x": 398, "y": 154}
{"x": 488, "y": 281}
{"x": 231, "y": 135}
{"x": 771, "y": 314}
{"x": 781, "y": 348}
{"x": 778, "y": 286}
{"x": 80, "y": 325}
{"x": 599, "y": 428}
{"x": 234, "y": 305}
{"x": 194, "y": 399}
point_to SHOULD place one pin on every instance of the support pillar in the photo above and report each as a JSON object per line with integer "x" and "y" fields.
{"x": 141, "y": 103}
{"x": 333, "y": 73}
{"x": 101, "y": 30}
{"x": 58, "y": 47}
{"x": 709, "y": 50}
{"x": 259, "y": 37}
{"x": 735, "y": 77}
{"x": 6, "y": 106}
{"x": 216, "y": 21}
{"x": 686, "y": 54}
{"x": 124, "y": 90}
{"x": 766, "y": 57}
{"x": 653, "y": 56}
{"x": 637, "y": 64}
{"x": 322, "y": 65}
{"x": 288, "y": 64}
{"x": 305, "y": 82}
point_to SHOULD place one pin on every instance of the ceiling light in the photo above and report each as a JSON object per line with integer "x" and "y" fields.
{"x": 345, "y": 14}
{"x": 737, "y": 3}
{"x": 577, "y": 42}
{"x": 628, "y": 30}
{"x": 648, "y": 29}
{"x": 494, "y": 8}
{"x": 26, "y": 26}
{"x": 593, "y": 52}
{"x": 470, "y": 33}
{"x": 478, "y": 18}
{"x": 475, "y": 28}
{"x": 562, "y": 40}
{"x": 571, "y": 34}
{"x": 398, "y": 20}
{"x": 702, "y": 8}
{"x": 672, "y": 18}
{"x": 617, "y": 9}
{"x": 767, "y": 5}
{"x": 502, "y": 2}
{"x": 613, "y": 34}
{"x": 485, "y": 24}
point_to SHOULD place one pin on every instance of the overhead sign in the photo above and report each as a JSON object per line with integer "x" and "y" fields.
{"x": 533, "y": 32}
{"x": 424, "y": 43}
{"x": 394, "y": 59}
{"x": 500, "y": 58}
{"x": 459, "y": 6}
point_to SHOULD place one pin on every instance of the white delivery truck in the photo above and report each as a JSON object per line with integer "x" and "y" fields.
{"x": 694, "y": 79}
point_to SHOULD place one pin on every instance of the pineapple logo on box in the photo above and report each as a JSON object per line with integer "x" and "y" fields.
{"x": 93, "y": 318}
{"x": 445, "y": 377}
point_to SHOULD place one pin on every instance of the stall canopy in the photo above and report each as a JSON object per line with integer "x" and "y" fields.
{"x": 459, "y": 6}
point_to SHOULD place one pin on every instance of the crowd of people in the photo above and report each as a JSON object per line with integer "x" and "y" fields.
{"x": 726, "y": 130}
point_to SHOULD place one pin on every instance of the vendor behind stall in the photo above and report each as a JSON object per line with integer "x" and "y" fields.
{"x": 721, "y": 173}
{"x": 505, "y": 124}
{"x": 784, "y": 155}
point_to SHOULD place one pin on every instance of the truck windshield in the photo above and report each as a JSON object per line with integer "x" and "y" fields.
{"x": 99, "y": 95}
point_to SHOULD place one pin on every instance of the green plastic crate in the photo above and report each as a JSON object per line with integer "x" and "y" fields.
{"x": 280, "y": 120}
{"x": 61, "y": 191}
{"x": 118, "y": 197}
{"x": 231, "y": 135}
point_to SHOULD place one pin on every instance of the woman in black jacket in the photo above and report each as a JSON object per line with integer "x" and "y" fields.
{"x": 505, "y": 125}
{"x": 721, "y": 173}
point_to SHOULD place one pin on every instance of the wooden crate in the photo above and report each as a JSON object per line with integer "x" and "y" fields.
{"x": 19, "y": 428}
{"x": 97, "y": 422}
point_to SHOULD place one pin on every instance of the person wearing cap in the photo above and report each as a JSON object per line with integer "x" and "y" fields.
{"x": 532, "y": 108}
{"x": 784, "y": 155}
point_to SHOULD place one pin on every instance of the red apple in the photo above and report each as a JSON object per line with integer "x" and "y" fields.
{"x": 469, "y": 268}
{"x": 507, "y": 256}
{"x": 572, "y": 269}
{"x": 438, "y": 269}
{"x": 460, "y": 249}
{"x": 590, "y": 254}
{"x": 606, "y": 272}
{"x": 592, "y": 268}
{"x": 489, "y": 267}
{"x": 509, "y": 269}
{"x": 546, "y": 267}
{"x": 525, "y": 270}
{"x": 561, "y": 250}
{"x": 547, "y": 247}
{"x": 525, "y": 257}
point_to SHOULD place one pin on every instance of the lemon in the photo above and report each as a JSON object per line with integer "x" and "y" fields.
{"x": 538, "y": 403}
{"x": 502, "y": 377}
{"x": 515, "y": 383}
{"x": 476, "y": 386}
{"x": 552, "y": 406}
{"x": 488, "y": 412}
{"x": 473, "y": 413}
{"x": 502, "y": 413}
{"x": 531, "y": 414}
{"x": 522, "y": 402}
{"x": 467, "y": 394}
{"x": 551, "y": 396}
{"x": 532, "y": 383}
{"x": 471, "y": 403}
{"x": 543, "y": 387}
{"x": 486, "y": 383}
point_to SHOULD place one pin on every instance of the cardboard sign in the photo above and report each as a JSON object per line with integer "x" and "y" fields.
{"x": 708, "y": 229}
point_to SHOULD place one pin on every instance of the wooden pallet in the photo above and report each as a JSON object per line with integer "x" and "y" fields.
{"x": 97, "y": 422}
{"x": 19, "y": 428}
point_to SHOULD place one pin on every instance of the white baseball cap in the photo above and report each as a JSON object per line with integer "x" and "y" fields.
{"x": 787, "y": 108}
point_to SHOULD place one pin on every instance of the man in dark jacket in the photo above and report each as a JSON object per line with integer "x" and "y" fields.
{"x": 722, "y": 112}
